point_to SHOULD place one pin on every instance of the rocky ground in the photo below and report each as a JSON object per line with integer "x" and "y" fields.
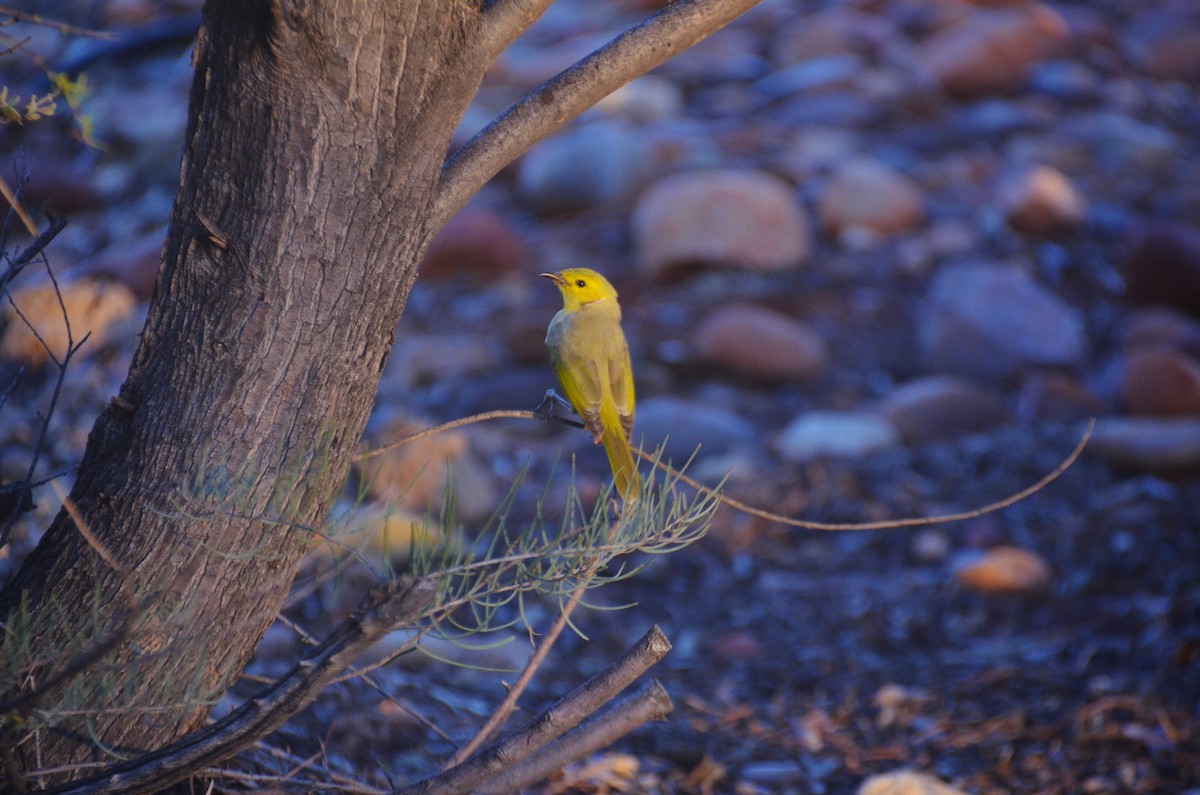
{"x": 878, "y": 259}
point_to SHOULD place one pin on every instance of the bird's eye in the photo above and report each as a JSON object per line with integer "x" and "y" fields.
{"x": 580, "y": 283}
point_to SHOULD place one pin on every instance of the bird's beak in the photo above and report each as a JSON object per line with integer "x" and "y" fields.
{"x": 557, "y": 278}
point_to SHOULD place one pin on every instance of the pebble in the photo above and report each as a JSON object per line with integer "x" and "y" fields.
{"x": 686, "y": 425}
{"x": 1147, "y": 443}
{"x": 92, "y": 307}
{"x": 1155, "y": 327}
{"x": 906, "y": 782}
{"x": 415, "y": 476}
{"x": 1161, "y": 382}
{"x": 835, "y": 433}
{"x": 477, "y": 244}
{"x": 942, "y": 407}
{"x": 761, "y": 343}
{"x": 1166, "y": 44}
{"x": 869, "y": 194}
{"x": 991, "y": 321}
{"x": 1049, "y": 395}
{"x": 590, "y": 164}
{"x": 1006, "y": 570}
{"x": 1042, "y": 201}
{"x": 741, "y": 218}
{"x": 1163, "y": 265}
{"x": 649, "y": 98}
{"x": 992, "y": 49}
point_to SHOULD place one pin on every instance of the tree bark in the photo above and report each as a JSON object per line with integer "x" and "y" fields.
{"x": 312, "y": 180}
{"x": 316, "y": 137}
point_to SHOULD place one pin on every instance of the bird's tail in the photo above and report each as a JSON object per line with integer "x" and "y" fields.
{"x": 620, "y": 458}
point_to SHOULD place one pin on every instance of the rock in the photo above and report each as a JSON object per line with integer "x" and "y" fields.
{"x": 1163, "y": 266}
{"x": 477, "y": 244}
{"x": 993, "y": 320}
{"x": 649, "y": 98}
{"x": 868, "y": 194}
{"x": 1147, "y": 443}
{"x": 833, "y": 433}
{"x": 1161, "y": 382}
{"x": 1042, "y": 201}
{"x": 834, "y": 31}
{"x": 1007, "y": 570}
{"x": 991, "y": 50}
{"x": 749, "y": 219}
{"x": 761, "y": 343}
{"x": 591, "y": 164}
{"x": 415, "y": 476}
{"x": 420, "y": 359}
{"x": 92, "y": 307}
{"x": 906, "y": 782}
{"x": 686, "y": 426}
{"x": 930, "y": 546}
{"x": 1166, "y": 44}
{"x": 942, "y": 407}
{"x": 134, "y": 263}
{"x": 1047, "y": 395}
{"x": 1159, "y": 327}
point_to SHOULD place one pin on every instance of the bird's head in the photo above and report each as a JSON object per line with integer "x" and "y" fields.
{"x": 581, "y": 287}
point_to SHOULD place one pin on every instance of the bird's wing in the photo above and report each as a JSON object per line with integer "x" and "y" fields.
{"x": 581, "y": 381}
{"x": 620, "y": 379}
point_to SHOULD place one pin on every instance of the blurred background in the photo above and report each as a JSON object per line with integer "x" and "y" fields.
{"x": 878, "y": 259}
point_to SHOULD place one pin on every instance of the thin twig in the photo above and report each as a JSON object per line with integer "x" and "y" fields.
{"x": 914, "y": 521}
{"x": 31, "y": 251}
{"x": 15, "y": 203}
{"x": 560, "y": 99}
{"x": 568, "y": 712}
{"x": 61, "y": 27}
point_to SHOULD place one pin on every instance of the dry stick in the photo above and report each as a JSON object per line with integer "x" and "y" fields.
{"x": 646, "y": 704}
{"x": 399, "y": 600}
{"x": 7, "y": 191}
{"x": 915, "y": 521}
{"x": 571, "y": 710}
{"x": 501, "y": 713}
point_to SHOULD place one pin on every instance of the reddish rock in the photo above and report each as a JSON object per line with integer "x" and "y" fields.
{"x": 942, "y": 407}
{"x": 1161, "y": 382}
{"x": 871, "y": 195}
{"x": 1166, "y": 43}
{"x": 1049, "y": 395}
{"x": 749, "y": 219}
{"x": 1163, "y": 266}
{"x": 1042, "y": 201}
{"x": 992, "y": 50}
{"x": 1007, "y": 570}
{"x": 91, "y": 306}
{"x": 1155, "y": 444}
{"x": 761, "y": 343}
{"x": 473, "y": 243}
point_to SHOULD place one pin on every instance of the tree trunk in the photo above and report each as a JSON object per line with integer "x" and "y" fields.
{"x": 315, "y": 140}
{"x": 313, "y": 176}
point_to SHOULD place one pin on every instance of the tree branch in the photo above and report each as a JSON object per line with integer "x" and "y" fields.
{"x": 518, "y": 749}
{"x": 566, "y": 95}
{"x": 399, "y": 600}
{"x": 505, "y": 20}
{"x": 646, "y": 704}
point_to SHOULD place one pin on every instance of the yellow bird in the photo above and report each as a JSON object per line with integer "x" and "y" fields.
{"x": 591, "y": 358}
